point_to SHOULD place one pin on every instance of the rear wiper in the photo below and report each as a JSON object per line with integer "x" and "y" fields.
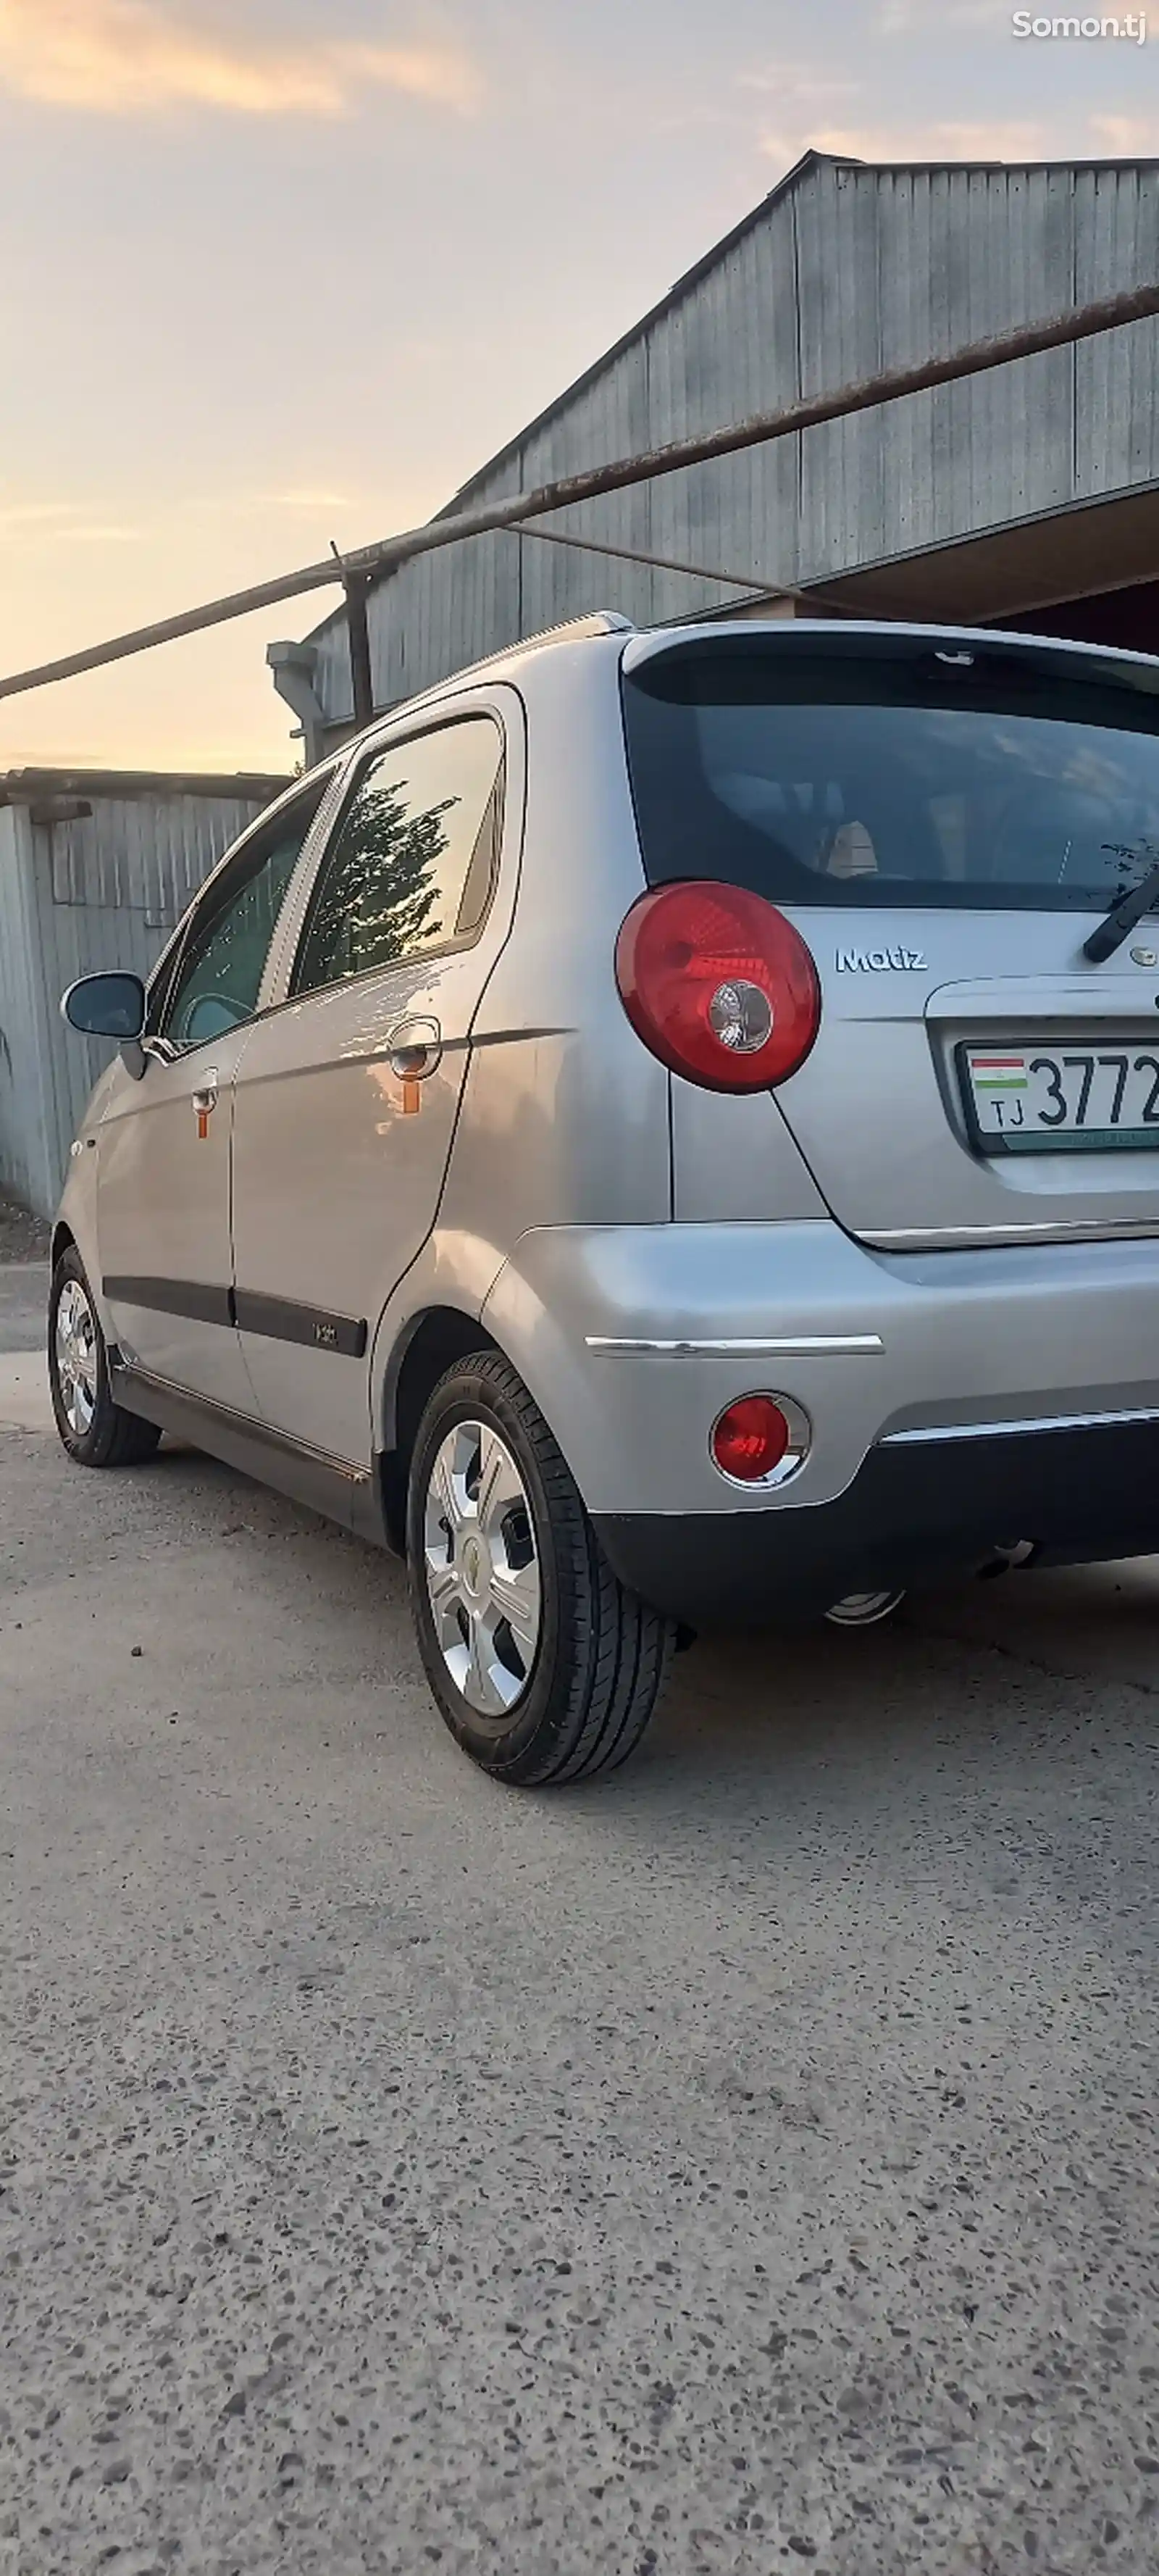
{"x": 1127, "y": 908}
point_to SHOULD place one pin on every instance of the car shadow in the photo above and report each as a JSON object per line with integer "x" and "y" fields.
{"x": 807, "y": 1718}
{"x": 967, "y": 1692}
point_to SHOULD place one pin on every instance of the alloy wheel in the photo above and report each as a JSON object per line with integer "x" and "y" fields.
{"x": 481, "y": 1566}
{"x": 76, "y": 1358}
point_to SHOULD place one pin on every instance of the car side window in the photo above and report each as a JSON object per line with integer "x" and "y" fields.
{"x": 412, "y": 863}
{"x": 218, "y": 975}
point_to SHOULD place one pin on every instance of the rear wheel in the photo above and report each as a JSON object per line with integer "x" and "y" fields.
{"x": 544, "y": 1667}
{"x": 94, "y": 1430}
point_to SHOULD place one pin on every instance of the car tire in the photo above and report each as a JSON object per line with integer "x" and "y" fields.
{"x": 544, "y": 1667}
{"x": 94, "y": 1430}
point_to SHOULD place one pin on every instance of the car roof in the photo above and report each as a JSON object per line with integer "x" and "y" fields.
{"x": 846, "y": 635}
{"x": 615, "y": 637}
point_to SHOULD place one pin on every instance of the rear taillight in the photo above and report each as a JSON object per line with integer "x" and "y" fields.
{"x": 718, "y": 984}
{"x": 761, "y": 1439}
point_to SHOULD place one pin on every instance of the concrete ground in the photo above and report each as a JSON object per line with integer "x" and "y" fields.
{"x": 745, "y": 2164}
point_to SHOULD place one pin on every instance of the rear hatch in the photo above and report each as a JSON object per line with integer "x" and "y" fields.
{"x": 946, "y": 819}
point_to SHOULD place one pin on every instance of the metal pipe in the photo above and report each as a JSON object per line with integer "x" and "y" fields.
{"x": 1027, "y": 340}
{"x": 750, "y": 581}
{"x": 753, "y": 582}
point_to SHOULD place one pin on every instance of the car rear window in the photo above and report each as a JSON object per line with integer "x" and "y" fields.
{"x": 928, "y": 775}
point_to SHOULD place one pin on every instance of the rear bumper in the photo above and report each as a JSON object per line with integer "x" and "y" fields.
{"x": 633, "y": 1338}
{"x": 916, "y": 1511}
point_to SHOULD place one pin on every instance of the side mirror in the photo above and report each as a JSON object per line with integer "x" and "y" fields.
{"x": 106, "y": 1006}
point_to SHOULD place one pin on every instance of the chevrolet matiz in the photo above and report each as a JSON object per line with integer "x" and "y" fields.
{"x": 661, "y": 1130}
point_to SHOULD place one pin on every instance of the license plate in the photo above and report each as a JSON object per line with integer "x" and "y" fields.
{"x": 1100, "y": 1099}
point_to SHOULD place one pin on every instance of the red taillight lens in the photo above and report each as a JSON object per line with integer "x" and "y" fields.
{"x": 718, "y": 984}
{"x": 750, "y": 1438}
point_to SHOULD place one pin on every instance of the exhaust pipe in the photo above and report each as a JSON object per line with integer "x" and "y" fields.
{"x": 1008, "y": 1554}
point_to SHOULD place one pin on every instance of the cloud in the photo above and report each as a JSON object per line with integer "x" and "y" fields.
{"x": 1013, "y": 140}
{"x": 818, "y": 109}
{"x": 806, "y": 100}
{"x": 60, "y": 523}
{"x": 1018, "y": 139}
{"x": 33, "y": 514}
{"x": 1127, "y": 137}
{"x": 896, "y": 17}
{"x": 141, "y": 57}
{"x": 308, "y": 500}
{"x": 800, "y": 83}
{"x": 97, "y": 535}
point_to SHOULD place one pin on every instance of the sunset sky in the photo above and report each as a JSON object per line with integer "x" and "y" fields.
{"x": 282, "y": 271}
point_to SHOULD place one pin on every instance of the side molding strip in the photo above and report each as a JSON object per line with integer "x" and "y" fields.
{"x": 195, "y": 1298}
{"x": 276, "y": 1319}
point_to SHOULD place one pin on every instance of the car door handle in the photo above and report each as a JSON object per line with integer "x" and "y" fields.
{"x": 416, "y": 1048}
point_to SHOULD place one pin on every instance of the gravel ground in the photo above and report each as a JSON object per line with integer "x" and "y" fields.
{"x": 749, "y": 2163}
{"x": 23, "y": 1305}
{"x": 22, "y": 1237}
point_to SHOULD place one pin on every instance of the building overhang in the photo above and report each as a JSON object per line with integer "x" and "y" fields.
{"x": 1080, "y": 550}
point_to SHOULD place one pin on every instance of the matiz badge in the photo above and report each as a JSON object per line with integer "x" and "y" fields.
{"x": 881, "y": 961}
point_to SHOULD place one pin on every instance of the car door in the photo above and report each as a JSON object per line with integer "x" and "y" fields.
{"x": 163, "y": 1184}
{"x": 346, "y": 1096}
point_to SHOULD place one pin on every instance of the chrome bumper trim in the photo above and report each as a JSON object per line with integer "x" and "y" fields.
{"x": 970, "y": 1238}
{"x": 1019, "y": 1430}
{"x": 784, "y": 1346}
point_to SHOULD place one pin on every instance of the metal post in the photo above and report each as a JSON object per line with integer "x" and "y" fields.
{"x": 357, "y": 586}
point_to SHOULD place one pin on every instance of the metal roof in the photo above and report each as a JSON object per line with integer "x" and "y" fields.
{"x": 710, "y": 259}
{"x": 489, "y": 477}
{"x": 971, "y": 501}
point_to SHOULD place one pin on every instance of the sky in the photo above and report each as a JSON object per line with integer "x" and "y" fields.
{"x": 278, "y": 273}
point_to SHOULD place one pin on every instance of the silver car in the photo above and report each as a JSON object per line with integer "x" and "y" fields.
{"x": 663, "y": 1129}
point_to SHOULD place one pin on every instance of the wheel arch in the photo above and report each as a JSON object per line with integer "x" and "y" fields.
{"x": 434, "y": 1339}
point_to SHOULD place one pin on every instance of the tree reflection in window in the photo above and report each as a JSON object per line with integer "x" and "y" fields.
{"x": 394, "y": 882}
{"x": 380, "y": 898}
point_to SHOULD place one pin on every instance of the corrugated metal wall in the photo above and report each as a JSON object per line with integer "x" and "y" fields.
{"x": 145, "y": 854}
{"x": 23, "y": 1087}
{"x": 848, "y": 269}
{"x": 76, "y": 897}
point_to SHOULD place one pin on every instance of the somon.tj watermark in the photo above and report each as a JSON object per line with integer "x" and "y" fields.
{"x": 1133, "y": 28}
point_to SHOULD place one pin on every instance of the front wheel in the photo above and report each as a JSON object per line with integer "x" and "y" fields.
{"x": 94, "y": 1430}
{"x": 544, "y": 1667}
